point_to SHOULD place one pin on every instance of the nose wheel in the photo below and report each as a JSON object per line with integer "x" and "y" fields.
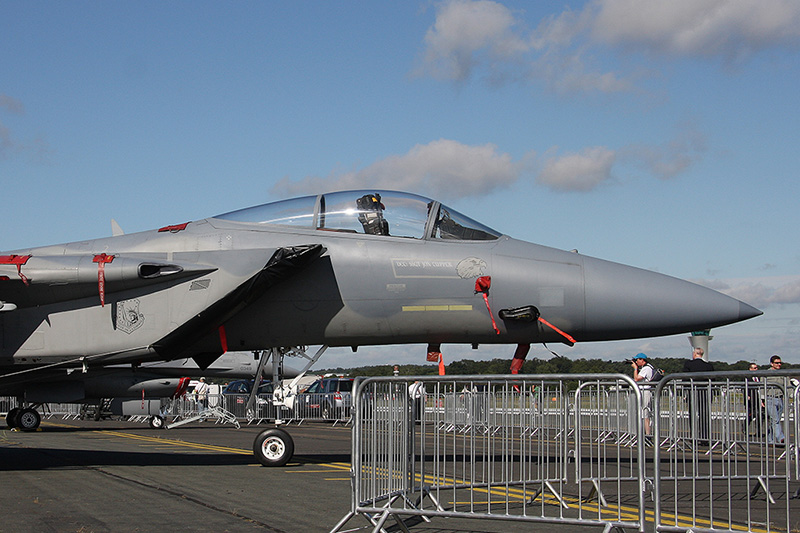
{"x": 273, "y": 447}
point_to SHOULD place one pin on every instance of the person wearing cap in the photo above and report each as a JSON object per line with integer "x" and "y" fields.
{"x": 699, "y": 397}
{"x": 642, "y": 373}
{"x": 202, "y": 394}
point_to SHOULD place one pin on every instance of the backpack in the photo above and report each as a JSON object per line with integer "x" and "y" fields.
{"x": 658, "y": 374}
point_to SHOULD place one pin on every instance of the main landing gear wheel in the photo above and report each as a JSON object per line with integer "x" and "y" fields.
{"x": 12, "y": 418}
{"x": 273, "y": 447}
{"x": 156, "y": 422}
{"x": 28, "y": 419}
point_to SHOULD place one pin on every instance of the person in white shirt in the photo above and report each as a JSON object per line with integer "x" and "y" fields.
{"x": 416, "y": 391}
{"x": 202, "y": 394}
{"x": 642, "y": 373}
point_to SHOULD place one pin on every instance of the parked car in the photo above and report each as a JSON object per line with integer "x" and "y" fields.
{"x": 328, "y": 398}
{"x": 236, "y": 394}
{"x": 244, "y": 386}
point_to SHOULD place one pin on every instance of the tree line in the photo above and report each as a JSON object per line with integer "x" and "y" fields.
{"x": 555, "y": 365}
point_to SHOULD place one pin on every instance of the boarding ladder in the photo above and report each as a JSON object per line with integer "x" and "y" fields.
{"x": 221, "y": 415}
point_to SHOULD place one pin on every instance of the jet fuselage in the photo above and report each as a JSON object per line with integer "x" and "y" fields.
{"x": 354, "y": 276}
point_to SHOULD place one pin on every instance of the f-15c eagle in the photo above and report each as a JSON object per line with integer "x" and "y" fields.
{"x": 348, "y": 268}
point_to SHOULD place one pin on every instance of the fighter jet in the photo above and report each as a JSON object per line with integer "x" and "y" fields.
{"x": 350, "y": 268}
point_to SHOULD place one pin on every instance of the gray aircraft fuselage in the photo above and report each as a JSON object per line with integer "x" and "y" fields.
{"x": 330, "y": 270}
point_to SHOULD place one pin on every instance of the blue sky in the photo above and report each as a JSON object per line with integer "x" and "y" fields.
{"x": 657, "y": 134}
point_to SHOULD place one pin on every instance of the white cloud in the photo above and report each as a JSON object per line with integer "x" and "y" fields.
{"x": 462, "y": 29}
{"x": 444, "y": 168}
{"x": 788, "y": 293}
{"x": 11, "y": 104}
{"x": 578, "y": 171}
{"x": 449, "y": 169}
{"x": 760, "y": 292}
{"x": 470, "y": 36}
{"x": 667, "y": 161}
{"x": 591, "y": 167}
{"x": 7, "y": 142}
{"x": 37, "y": 149}
{"x": 731, "y": 29}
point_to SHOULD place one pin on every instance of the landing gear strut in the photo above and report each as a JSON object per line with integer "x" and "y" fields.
{"x": 275, "y": 447}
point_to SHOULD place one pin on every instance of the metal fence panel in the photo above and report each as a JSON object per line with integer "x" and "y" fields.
{"x": 723, "y": 463}
{"x": 497, "y": 447}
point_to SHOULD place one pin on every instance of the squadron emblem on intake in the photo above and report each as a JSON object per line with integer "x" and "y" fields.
{"x": 129, "y": 319}
{"x": 471, "y": 267}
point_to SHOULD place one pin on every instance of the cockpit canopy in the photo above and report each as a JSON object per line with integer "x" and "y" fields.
{"x": 388, "y": 213}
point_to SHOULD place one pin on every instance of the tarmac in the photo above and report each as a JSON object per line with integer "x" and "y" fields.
{"x": 121, "y": 476}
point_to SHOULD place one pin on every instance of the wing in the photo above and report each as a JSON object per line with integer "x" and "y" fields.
{"x": 284, "y": 263}
{"x": 152, "y": 309}
{"x": 29, "y": 280}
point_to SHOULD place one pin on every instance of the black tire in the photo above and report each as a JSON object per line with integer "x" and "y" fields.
{"x": 273, "y": 447}
{"x": 29, "y": 419}
{"x": 157, "y": 422}
{"x": 12, "y": 418}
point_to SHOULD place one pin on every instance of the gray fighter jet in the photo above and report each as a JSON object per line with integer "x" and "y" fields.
{"x": 349, "y": 268}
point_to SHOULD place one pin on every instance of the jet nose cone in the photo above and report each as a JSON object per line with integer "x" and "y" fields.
{"x": 628, "y": 302}
{"x": 748, "y": 311}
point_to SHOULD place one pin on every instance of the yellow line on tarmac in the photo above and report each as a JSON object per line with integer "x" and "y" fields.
{"x": 340, "y": 466}
{"x": 622, "y": 511}
{"x": 163, "y": 443}
{"x": 183, "y": 443}
{"x": 511, "y": 493}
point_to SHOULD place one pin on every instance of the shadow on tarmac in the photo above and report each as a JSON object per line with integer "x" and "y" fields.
{"x": 31, "y": 459}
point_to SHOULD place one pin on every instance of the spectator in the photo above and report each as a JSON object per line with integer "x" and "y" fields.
{"x": 699, "y": 398}
{"x": 643, "y": 372}
{"x": 202, "y": 394}
{"x": 754, "y": 404}
{"x": 416, "y": 392}
{"x": 774, "y": 403}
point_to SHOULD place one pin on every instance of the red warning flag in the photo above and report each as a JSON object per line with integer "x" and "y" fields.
{"x": 567, "y": 336}
{"x": 101, "y": 261}
{"x": 482, "y": 285}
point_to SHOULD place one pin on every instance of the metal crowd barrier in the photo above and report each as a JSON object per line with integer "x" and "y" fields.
{"x": 7, "y": 403}
{"x": 572, "y": 449}
{"x": 306, "y": 408}
{"x": 498, "y": 447}
{"x": 723, "y": 466}
{"x": 49, "y": 410}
